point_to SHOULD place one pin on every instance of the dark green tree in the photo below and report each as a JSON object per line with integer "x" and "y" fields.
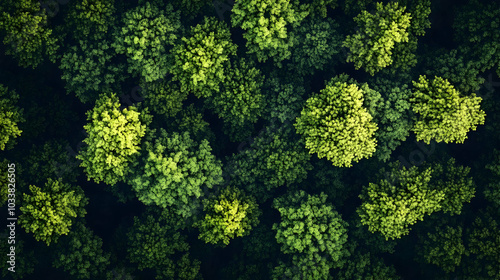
{"x": 81, "y": 254}
{"x": 90, "y": 19}
{"x": 163, "y": 97}
{"x": 49, "y": 213}
{"x": 201, "y": 59}
{"x": 492, "y": 191}
{"x": 25, "y": 260}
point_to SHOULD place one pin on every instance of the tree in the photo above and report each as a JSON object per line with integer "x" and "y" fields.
{"x": 49, "y": 213}
{"x": 389, "y": 104}
{"x": 371, "y": 46}
{"x": 88, "y": 69}
{"x": 90, "y": 18}
{"x": 201, "y": 59}
{"x": 443, "y": 114}
{"x": 230, "y": 214}
{"x": 164, "y": 96}
{"x": 492, "y": 191}
{"x": 25, "y": 260}
{"x": 81, "y": 254}
{"x": 366, "y": 266}
{"x": 315, "y": 43}
{"x": 10, "y": 117}
{"x": 311, "y": 231}
{"x": 273, "y": 159}
{"x": 173, "y": 169}
{"x": 240, "y": 101}
{"x": 146, "y": 33}
{"x": 27, "y": 35}
{"x": 335, "y": 124}
{"x": 266, "y": 24}
{"x": 395, "y": 203}
{"x": 319, "y": 7}
{"x": 442, "y": 247}
{"x": 113, "y": 139}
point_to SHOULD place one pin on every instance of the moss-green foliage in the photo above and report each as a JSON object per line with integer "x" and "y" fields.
{"x": 457, "y": 185}
{"x": 25, "y": 260}
{"x": 320, "y": 7}
{"x": 483, "y": 243}
{"x": 335, "y": 124}
{"x": 153, "y": 242}
{"x": 371, "y": 46}
{"x": 113, "y": 140}
{"x": 395, "y": 203}
{"x": 172, "y": 169}
{"x": 312, "y": 232}
{"x": 240, "y": 101}
{"x": 443, "y": 247}
{"x": 492, "y": 191}
{"x": 88, "y": 70}
{"x": 366, "y": 266}
{"x": 191, "y": 8}
{"x": 4, "y": 181}
{"x": 163, "y": 96}
{"x": 90, "y": 18}
{"x": 27, "y": 35}
{"x": 191, "y": 119}
{"x": 228, "y": 215}
{"x": 391, "y": 111}
{"x": 144, "y": 37}
{"x": 48, "y": 213}
{"x": 81, "y": 255}
{"x": 10, "y": 117}
{"x": 316, "y": 42}
{"x": 284, "y": 98}
{"x": 266, "y": 24}
{"x": 476, "y": 26}
{"x": 201, "y": 59}
{"x": 443, "y": 114}
{"x": 275, "y": 158}
{"x": 51, "y": 160}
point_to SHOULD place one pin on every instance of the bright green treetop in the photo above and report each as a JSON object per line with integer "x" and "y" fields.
{"x": 335, "y": 124}
{"x": 201, "y": 59}
{"x": 81, "y": 254}
{"x": 88, "y": 70}
{"x": 240, "y": 101}
{"x": 27, "y": 36}
{"x": 230, "y": 214}
{"x": 49, "y": 212}
{"x": 310, "y": 227}
{"x": 113, "y": 140}
{"x": 10, "y": 117}
{"x": 146, "y": 33}
{"x": 266, "y": 24}
{"x": 443, "y": 114}
{"x": 371, "y": 47}
{"x": 395, "y": 203}
{"x": 173, "y": 169}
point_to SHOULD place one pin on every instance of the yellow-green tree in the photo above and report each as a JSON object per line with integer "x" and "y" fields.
{"x": 10, "y": 117}
{"x": 49, "y": 213}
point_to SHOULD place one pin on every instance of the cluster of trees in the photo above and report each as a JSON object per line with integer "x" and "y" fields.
{"x": 322, "y": 139}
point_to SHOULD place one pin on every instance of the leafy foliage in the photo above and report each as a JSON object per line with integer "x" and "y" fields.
{"x": 164, "y": 97}
{"x": 371, "y": 46}
{"x": 492, "y": 191}
{"x": 49, "y": 212}
{"x": 82, "y": 255}
{"x": 89, "y": 69}
{"x": 10, "y": 116}
{"x": 398, "y": 201}
{"x": 27, "y": 35}
{"x": 266, "y": 24}
{"x": 146, "y": 33}
{"x": 90, "y": 18}
{"x": 444, "y": 115}
{"x": 201, "y": 59}
{"x": 113, "y": 140}
{"x": 335, "y": 124}
{"x": 309, "y": 229}
{"x": 230, "y": 214}
{"x": 25, "y": 260}
{"x": 172, "y": 169}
